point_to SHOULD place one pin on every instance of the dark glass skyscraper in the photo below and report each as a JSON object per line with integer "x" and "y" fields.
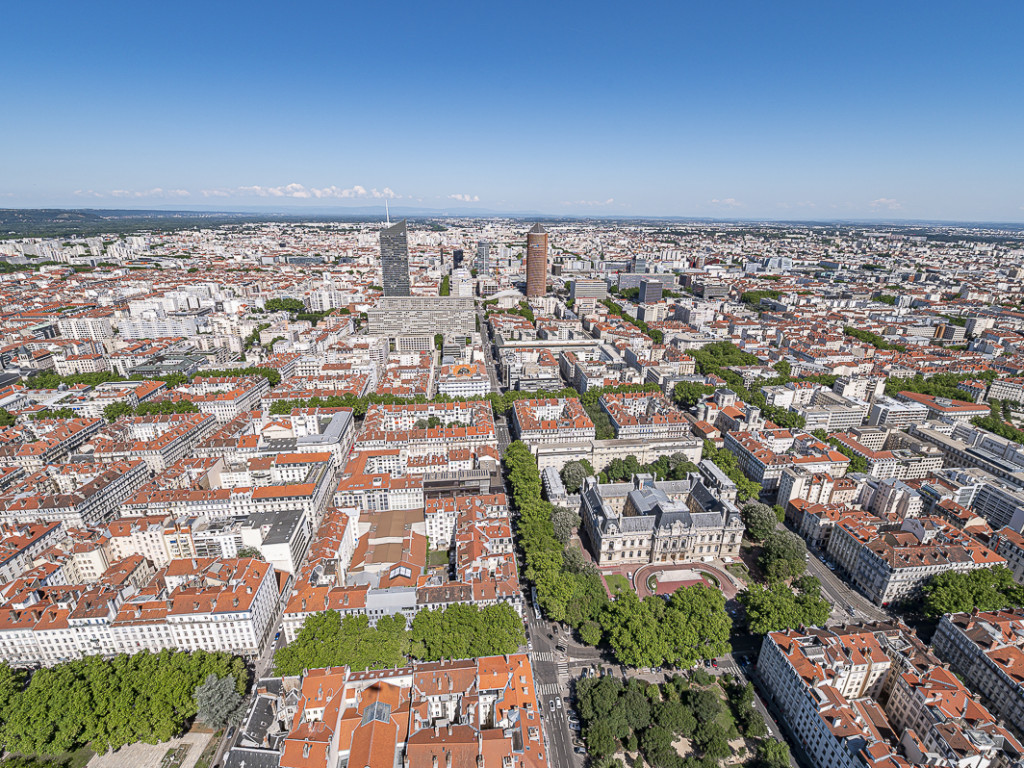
{"x": 394, "y": 257}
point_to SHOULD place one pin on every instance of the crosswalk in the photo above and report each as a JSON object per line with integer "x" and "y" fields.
{"x": 548, "y": 689}
{"x": 563, "y": 669}
{"x": 546, "y": 656}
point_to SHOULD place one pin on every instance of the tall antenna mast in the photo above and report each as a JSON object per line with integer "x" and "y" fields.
{"x": 387, "y": 213}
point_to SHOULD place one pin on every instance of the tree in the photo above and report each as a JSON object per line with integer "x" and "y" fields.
{"x": 284, "y": 305}
{"x": 601, "y": 739}
{"x": 633, "y": 630}
{"x": 565, "y": 522}
{"x": 110, "y": 703}
{"x": 636, "y": 706}
{"x": 251, "y": 552}
{"x": 7, "y": 419}
{"x": 696, "y": 625}
{"x": 329, "y": 640}
{"x": 784, "y": 556}
{"x": 705, "y": 704}
{"x": 464, "y": 631}
{"x": 772, "y": 754}
{"x": 573, "y": 474}
{"x": 760, "y": 521}
{"x": 687, "y": 394}
{"x": 218, "y": 701}
{"x": 656, "y": 744}
{"x": 775, "y": 607}
{"x": 590, "y": 633}
{"x": 674, "y": 717}
{"x": 987, "y": 589}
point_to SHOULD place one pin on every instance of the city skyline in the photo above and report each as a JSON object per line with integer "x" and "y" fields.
{"x": 691, "y": 112}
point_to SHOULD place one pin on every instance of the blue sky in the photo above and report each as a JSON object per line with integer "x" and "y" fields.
{"x": 813, "y": 110}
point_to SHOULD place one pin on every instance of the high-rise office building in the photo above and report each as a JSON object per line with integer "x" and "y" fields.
{"x": 457, "y": 257}
{"x": 394, "y": 257}
{"x": 650, "y": 291}
{"x": 483, "y": 257}
{"x": 536, "y": 261}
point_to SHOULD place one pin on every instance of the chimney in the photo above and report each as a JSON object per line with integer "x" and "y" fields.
{"x": 448, "y": 759}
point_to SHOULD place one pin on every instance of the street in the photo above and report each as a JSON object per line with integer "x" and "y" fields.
{"x": 840, "y": 595}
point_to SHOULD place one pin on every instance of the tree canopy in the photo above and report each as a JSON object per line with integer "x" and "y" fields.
{"x": 109, "y": 703}
{"x": 774, "y": 607}
{"x": 760, "y": 521}
{"x": 783, "y": 555}
{"x": 456, "y": 632}
{"x": 987, "y": 589}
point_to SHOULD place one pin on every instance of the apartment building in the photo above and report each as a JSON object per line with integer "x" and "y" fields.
{"x": 764, "y": 454}
{"x": 466, "y": 424}
{"x": 944, "y": 409}
{"x": 889, "y": 412}
{"x": 211, "y": 605}
{"x": 466, "y": 380}
{"x": 74, "y": 495}
{"x": 427, "y": 715}
{"x": 987, "y": 648}
{"x": 889, "y": 561}
{"x": 640, "y": 415}
{"x": 867, "y": 696}
{"x": 1009, "y": 544}
{"x": 159, "y": 441}
{"x": 551, "y": 420}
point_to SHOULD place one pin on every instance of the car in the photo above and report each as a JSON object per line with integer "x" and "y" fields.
{"x": 574, "y": 725}
{"x": 707, "y": 663}
{"x": 714, "y": 663}
{"x": 559, "y": 703}
{"x": 552, "y": 705}
{"x": 579, "y": 750}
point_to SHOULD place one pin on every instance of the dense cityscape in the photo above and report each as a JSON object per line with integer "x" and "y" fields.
{"x": 487, "y": 492}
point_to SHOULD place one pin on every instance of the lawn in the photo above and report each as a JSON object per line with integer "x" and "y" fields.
{"x": 211, "y": 750}
{"x": 175, "y": 757}
{"x": 437, "y": 557}
{"x": 77, "y": 759}
{"x": 739, "y": 570}
{"x": 617, "y": 583}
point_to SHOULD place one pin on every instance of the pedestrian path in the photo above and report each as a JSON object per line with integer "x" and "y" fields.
{"x": 563, "y": 669}
{"x": 546, "y": 656}
{"x": 549, "y": 689}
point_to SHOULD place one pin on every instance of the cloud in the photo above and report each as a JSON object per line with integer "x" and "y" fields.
{"x": 886, "y": 202}
{"x": 301, "y": 192}
{"x": 728, "y": 202}
{"x": 87, "y": 193}
{"x": 154, "y": 192}
{"x": 590, "y": 203}
{"x": 465, "y": 198}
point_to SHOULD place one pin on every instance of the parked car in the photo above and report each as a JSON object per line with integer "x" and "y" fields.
{"x": 559, "y": 703}
{"x": 714, "y": 663}
{"x": 579, "y": 750}
{"x": 552, "y": 705}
